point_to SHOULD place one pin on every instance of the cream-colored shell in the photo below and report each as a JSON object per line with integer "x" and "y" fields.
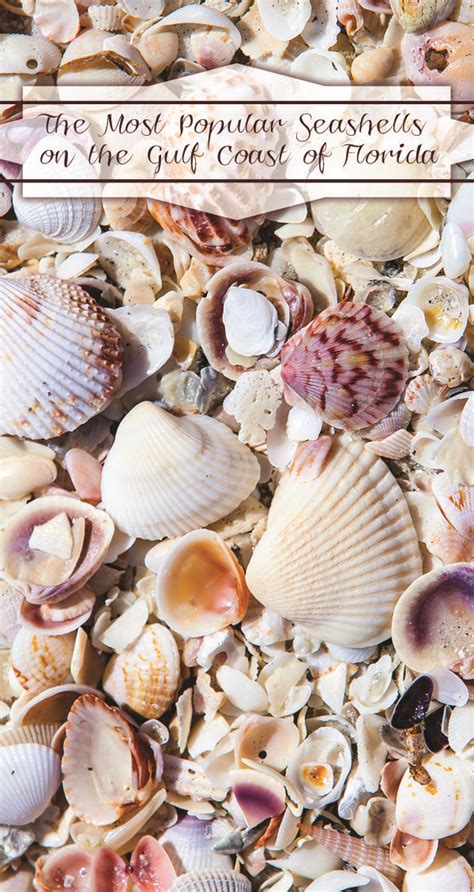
{"x": 339, "y": 549}
{"x": 66, "y": 220}
{"x": 440, "y": 808}
{"x": 41, "y": 661}
{"x": 145, "y": 678}
{"x": 165, "y": 476}
{"x": 211, "y": 881}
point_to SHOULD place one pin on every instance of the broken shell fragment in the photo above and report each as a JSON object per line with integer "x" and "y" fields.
{"x": 445, "y": 305}
{"x": 422, "y": 14}
{"x": 441, "y": 57}
{"x": 60, "y": 868}
{"x": 258, "y": 795}
{"x": 201, "y": 586}
{"x": 411, "y": 853}
{"x": 270, "y": 741}
{"x": 319, "y": 767}
{"x": 30, "y": 774}
{"x": 150, "y": 866}
{"x": 441, "y": 807}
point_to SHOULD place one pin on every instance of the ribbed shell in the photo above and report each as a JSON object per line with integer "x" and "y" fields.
{"x": 145, "y": 678}
{"x": 60, "y": 354}
{"x": 66, "y": 220}
{"x": 165, "y": 476}
{"x": 211, "y": 881}
{"x": 189, "y": 845}
{"x": 30, "y": 774}
{"x": 41, "y": 661}
{"x": 349, "y": 364}
{"x": 356, "y": 852}
{"x": 207, "y": 236}
{"x": 339, "y": 549}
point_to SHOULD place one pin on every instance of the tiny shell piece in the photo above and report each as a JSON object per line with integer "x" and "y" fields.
{"x": 254, "y": 402}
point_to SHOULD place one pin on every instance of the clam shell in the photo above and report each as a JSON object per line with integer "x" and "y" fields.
{"x": 441, "y": 807}
{"x": 448, "y": 871}
{"x": 270, "y": 741}
{"x": 339, "y": 548}
{"x": 433, "y": 620}
{"x": 30, "y": 774}
{"x": 145, "y": 677}
{"x": 445, "y": 305}
{"x": 422, "y": 14}
{"x": 41, "y": 661}
{"x": 200, "y": 473}
{"x": 374, "y": 228}
{"x": 349, "y": 364}
{"x": 205, "y": 236}
{"x": 54, "y": 332}
{"x": 150, "y": 867}
{"x": 189, "y": 845}
{"x": 24, "y": 54}
{"x": 211, "y": 881}
{"x": 66, "y": 220}
{"x": 105, "y": 17}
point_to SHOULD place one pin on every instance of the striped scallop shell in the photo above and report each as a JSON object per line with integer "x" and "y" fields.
{"x": 30, "y": 774}
{"x": 211, "y": 881}
{"x": 41, "y": 661}
{"x": 165, "y": 476}
{"x": 340, "y": 548}
{"x": 60, "y": 353}
{"x": 189, "y": 846}
{"x": 349, "y": 364}
{"x": 145, "y": 678}
{"x": 66, "y": 220}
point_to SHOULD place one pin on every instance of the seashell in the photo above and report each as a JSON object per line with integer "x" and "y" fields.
{"x": 432, "y": 621}
{"x": 449, "y": 42}
{"x": 282, "y": 20}
{"x": 448, "y": 687}
{"x": 106, "y": 17}
{"x": 396, "y": 420}
{"x": 423, "y": 14}
{"x": 293, "y": 572}
{"x": 205, "y": 35}
{"x": 242, "y": 691}
{"x": 337, "y": 881}
{"x": 355, "y": 851}
{"x": 441, "y": 807}
{"x": 374, "y": 689}
{"x": 201, "y": 586}
{"x": 206, "y": 236}
{"x": 148, "y": 339}
{"x": 62, "y": 867}
{"x": 466, "y": 422}
{"x": 413, "y": 705}
{"x": 51, "y": 706}
{"x": 373, "y": 65}
{"x": 22, "y": 54}
{"x": 107, "y": 770}
{"x": 98, "y": 57}
{"x": 258, "y": 795}
{"x": 150, "y": 866}
{"x": 109, "y": 871}
{"x": 395, "y": 446}
{"x": 371, "y": 755}
{"x": 5, "y": 199}
{"x": 435, "y": 739}
{"x": 270, "y": 741}
{"x": 456, "y": 503}
{"x": 448, "y": 871}
{"x": 50, "y": 619}
{"x": 131, "y": 213}
{"x": 189, "y": 845}
{"x": 319, "y": 767}
{"x": 53, "y": 546}
{"x": 459, "y": 211}
{"x": 188, "y": 778}
{"x": 122, "y": 254}
{"x": 454, "y": 250}
{"x": 218, "y": 327}
{"x": 208, "y": 473}
{"x": 53, "y": 329}
{"x": 58, "y": 20}
{"x": 353, "y": 381}
{"x": 145, "y": 677}
{"x": 444, "y": 304}
{"x": 212, "y": 881}
{"x": 450, "y": 366}
{"x": 10, "y": 602}
{"x": 30, "y": 774}
{"x": 373, "y": 228}
{"x": 41, "y": 661}
{"x": 254, "y": 403}
{"x": 20, "y": 475}
{"x": 422, "y": 394}
{"x": 66, "y": 220}
{"x": 460, "y": 727}
{"x": 321, "y": 68}
{"x": 412, "y": 854}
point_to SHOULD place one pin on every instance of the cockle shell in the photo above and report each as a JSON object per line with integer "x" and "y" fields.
{"x": 201, "y": 586}
{"x": 205, "y": 35}
{"x": 99, "y": 57}
{"x": 73, "y": 549}
{"x": 291, "y": 300}
{"x": 24, "y": 54}
{"x": 105, "y": 17}
{"x": 450, "y": 44}
{"x": 338, "y": 547}
{"x": 51, "y": 619}
{"x": 41, "y": 661}
{"x": 30, "y": 774}
{"x": 189, "y": 845}
{"x": 441, "y": 807}
{"x": 145, "y": 677}
{"x": 54, "y": 332}
{"x": 449, "y": 870}
{"x": 433, "y": 620}
{"x": 200, "y": 473}
{"x": 374, "y": 228}
{"x": 349, "y": 364}
{"x": 211, "y": 881}
{"x": 355, "y": 851}
{"x": 422, "y": 393}
{"x": 421, "y": 14}
{"x": 150, "y": 866}
{"x": 205, "y": 236}
{"x": 66, "y": 220}
{"x": 107, "y": 769}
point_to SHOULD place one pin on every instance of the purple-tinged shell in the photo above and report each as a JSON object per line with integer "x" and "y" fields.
{"x": 349, "y": 364}
{"x": 433, "y": 621}
{"x": 413, "y": 705}
{"x": 435, "y": 740}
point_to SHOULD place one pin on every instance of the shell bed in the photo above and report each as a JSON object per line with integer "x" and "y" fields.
{"x": 236, "y": 492}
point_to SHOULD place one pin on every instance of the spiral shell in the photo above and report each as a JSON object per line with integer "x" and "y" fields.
{"x": 61, "y": 356}
{"x": 349, "y": 364}
{"x": 65, "y": 220}
{"x": 205, "y": 236}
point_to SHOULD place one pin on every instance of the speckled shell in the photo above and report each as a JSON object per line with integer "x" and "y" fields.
{"x": 339, "y": 549}
{"x": 145, "y": 678}
{"x": 440, "y": 808}
{"x": 66, "y": 220}
{"x": 211, "y": 881}
{"x": 349, "y": 364}
{"x": 206, "y": 236}
{"x": 60, "y": 355}
{"x": 420, "y": 15}
{"x": 41, "y": 661}
{"x": 165, "y": 476}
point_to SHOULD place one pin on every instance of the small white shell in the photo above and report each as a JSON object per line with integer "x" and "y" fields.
{"x": 319, "y": 767}
{"x": 65, "y": 220}
{"x": 284, "y": 20}
{"x": 445, "y": 306}
{"x": 461, "y": 722}
{"x": 122, "y": 253}
{"x": 189, "y": 845}
{"x": 148, "y": 339}
{"x": 21, "y": 54}
{"x": 454, "y": 251}
{"x": 242, "y": 691}
{"x": 30, "y": 774}
{"x": 250, "y": 321}
{"x": 441, "y": 808}
{"x": 449, "y": 871}
{"x": 105, "y": 17}
{"x": 211, "y": 881}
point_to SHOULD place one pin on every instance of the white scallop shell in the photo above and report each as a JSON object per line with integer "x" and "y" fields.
{"x": 440, "y": 808}
{"x": 61, "y": 356}
{"x": 211, "y": 881}
{"x": 339, "y": 548}
{"x": 66, "y": 220}
{"x": 10, "y": 601}
{"x": 165, "y": 476}
{"x": 189, "y": 845}
{"x": 24, "y": 54}
{"x": 30, "y": 774}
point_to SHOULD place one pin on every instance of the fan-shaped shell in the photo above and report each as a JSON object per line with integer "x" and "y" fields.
{"x": 60, "y": 354}
{"x": 189, "y": 845}
{"x": 30, "y": 774}
{"x": 66, "y": 220}
{"x": 145, "y": 677}
{"x": 441, "y": 807}
{"x": 165, "y": 476}
{"x": 41, "y": 661}
{"x": 206, "y": 236}
{"x": 349, "y": 364}
{"x": 339, "y": 548}
{"x": 211, "y": 881}
{"x": 448, "y": 871}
